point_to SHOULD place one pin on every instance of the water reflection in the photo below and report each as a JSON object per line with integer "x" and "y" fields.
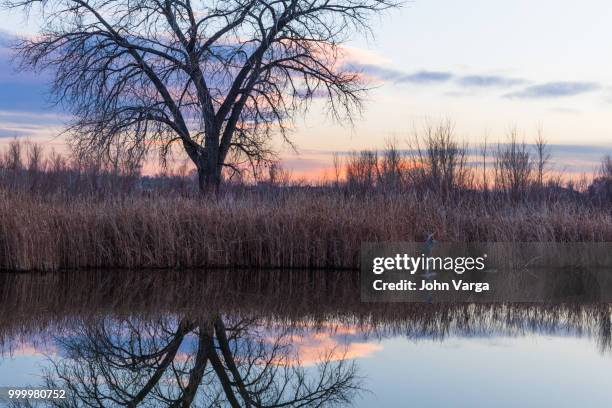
{"x": 239, "y": 338}
{"x": 217, "y": 361}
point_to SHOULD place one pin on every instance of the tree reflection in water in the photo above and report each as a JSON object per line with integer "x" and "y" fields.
{"x": 211, "y": 362}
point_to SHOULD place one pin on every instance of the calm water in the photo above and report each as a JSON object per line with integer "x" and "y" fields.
{"x": 290, "y": 339}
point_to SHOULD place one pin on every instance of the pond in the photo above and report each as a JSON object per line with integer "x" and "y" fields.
{"x": 289, "y": 338}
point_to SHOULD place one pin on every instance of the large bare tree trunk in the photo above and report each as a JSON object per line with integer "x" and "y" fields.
{"x": 208, "y": 183}
{"x": 209, "y": 166}
{"x": 209, "y": 178}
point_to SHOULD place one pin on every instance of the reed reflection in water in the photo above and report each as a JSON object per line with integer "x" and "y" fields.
{"x": 238, "y": 338}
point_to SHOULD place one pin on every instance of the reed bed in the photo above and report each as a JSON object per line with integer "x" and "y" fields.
{"x": 286, "y": 229}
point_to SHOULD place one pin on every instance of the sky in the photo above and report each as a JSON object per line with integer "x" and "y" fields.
{"x": 487, "y": 66}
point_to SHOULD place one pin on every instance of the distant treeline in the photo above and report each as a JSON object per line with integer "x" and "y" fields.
{"x": 435, "y": 163}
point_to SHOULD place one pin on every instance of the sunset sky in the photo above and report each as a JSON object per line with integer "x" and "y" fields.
{"x": 487, "y": 66}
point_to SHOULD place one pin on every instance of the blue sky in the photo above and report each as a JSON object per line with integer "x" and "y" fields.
{"x": 486, "y": 65}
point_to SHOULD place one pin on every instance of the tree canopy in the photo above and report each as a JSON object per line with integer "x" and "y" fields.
{"x": 218, "y": 77}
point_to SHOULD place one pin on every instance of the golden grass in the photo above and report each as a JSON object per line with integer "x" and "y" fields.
{"x": 291, "y": 229}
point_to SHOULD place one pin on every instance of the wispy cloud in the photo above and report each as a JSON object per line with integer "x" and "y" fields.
{"x": 376, "y": 71}
{"x": 489, "y": 81}
{"x": 426, "y": 77}
{"x": 526, "y": 89}
{"x": 10, "y": 133}
{"x": 387, "y": 74}
{"x": 555, "y": 90}
{"x": 25, "y": 110}
{"x": 21, "y": 92}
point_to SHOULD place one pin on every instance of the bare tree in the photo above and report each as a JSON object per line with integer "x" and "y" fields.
{"x": 542, "y": 156}
{"x": 337, "y": 163}
{"x": 392, "y": 164}
{"x": 219, "y": 78}
{"x": 439, "y": 160}
{"x": 13, "y": 159}
{"x": 484, "y": 151}
{"x": 513, "y": 166}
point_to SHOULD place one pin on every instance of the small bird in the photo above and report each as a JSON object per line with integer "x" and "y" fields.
{"x": 429, "y": 243}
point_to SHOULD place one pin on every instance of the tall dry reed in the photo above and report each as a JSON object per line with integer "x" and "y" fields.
{"x": 288, "y": 229}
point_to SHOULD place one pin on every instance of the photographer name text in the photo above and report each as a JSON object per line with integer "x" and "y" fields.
{"x": 431, "y": 286}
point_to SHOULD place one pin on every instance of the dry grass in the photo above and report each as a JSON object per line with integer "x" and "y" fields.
{"x": 288, "y": 229}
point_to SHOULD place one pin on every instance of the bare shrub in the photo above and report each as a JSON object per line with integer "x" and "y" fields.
{"x": 13, "y": 159}
{"x": 513, "y": 166}
{"x": 439, "y": 160}
{"x": 605, "y": 170}
{"x": 601, "y": 187}
{"x": 362, "y": 170}
{"x": 277, "y": 176}
{"x": 391, "y": 167}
